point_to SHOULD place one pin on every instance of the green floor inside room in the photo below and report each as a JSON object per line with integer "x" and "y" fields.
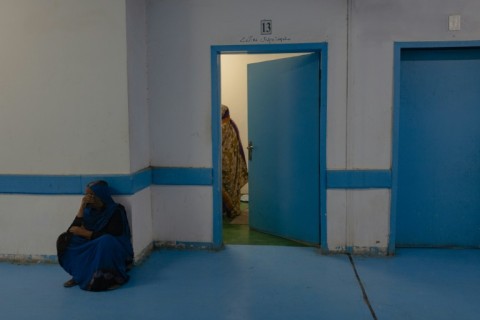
{"x": 238, "y": 231}
{"x": 243, "y": 234}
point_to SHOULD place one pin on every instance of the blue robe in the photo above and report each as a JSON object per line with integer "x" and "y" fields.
{"x": 100, "y": 263}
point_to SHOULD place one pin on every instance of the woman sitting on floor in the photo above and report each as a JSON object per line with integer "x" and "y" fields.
{"x": 97, "y": 249}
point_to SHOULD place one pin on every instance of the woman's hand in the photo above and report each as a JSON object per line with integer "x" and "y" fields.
{"x": 91, "y": 200}
{"x": 87, "y": 199}
{"x": 81, "y": 231}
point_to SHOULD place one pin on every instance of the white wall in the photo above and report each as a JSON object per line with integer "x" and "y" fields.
{"x": 64, "y": 110}
{"x": 136, "y": 25}
{"x": 139, "y": 212}
{"x": 139, "y": 205}
{"x": 63, "y": 97}
{"x": 30, "y": 225}
{"x": 182, "y": 213}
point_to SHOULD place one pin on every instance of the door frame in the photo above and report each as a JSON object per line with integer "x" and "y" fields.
{"x": 397, "y": 55}
{"x": 215, "y": 53}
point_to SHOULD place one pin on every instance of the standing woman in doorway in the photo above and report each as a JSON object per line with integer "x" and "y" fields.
{"x": 234, "y": 166}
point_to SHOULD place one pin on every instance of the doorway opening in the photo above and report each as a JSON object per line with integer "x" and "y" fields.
{"x": 231, "y": 86}
{"x": 234, "y": 96}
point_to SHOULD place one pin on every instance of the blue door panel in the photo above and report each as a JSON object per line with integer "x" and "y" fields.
{"x": 438, "y": 189}
{"x": 283, "y": 120}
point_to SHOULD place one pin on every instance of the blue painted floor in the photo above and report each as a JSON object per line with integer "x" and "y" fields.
{"x": 258, "y": 282}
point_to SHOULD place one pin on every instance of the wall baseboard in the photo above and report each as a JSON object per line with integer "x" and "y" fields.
{"x": 360, "y": 251}
{"x": 183, "y": 245}
{"x": 139, "y": 258}
{"x": 28, "y": 258}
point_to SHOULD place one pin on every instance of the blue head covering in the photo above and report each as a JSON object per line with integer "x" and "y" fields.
{"x": 96, "y": 219}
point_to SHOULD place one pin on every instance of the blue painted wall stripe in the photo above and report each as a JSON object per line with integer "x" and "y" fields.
{"x": 141, "y": 180}
{"x": 359, "y": 179}
{"x": 75, "y": 184}
{"x": 182, "y": 176}
{"x": 40, "y": 184}
{"x": 121, "y": 184}
{"x": 128, "y": 184}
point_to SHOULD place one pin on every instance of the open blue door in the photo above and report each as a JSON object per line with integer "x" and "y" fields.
{"x": 283, "y": 130}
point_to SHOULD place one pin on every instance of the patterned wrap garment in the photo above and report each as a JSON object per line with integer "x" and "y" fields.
{"x": 234, "y": 166}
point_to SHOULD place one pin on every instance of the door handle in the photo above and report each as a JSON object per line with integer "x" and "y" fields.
{"x": 250, "y": 150}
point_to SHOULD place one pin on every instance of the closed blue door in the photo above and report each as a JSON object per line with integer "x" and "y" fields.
{"x": 438, "y": 189}
{"x": 283, "y": 128}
